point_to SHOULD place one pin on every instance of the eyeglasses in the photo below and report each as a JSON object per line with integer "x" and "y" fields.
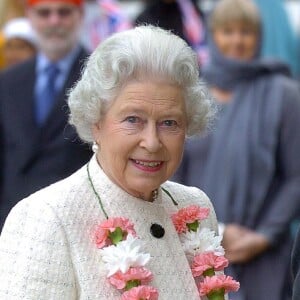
{"x": 62, "y": 12}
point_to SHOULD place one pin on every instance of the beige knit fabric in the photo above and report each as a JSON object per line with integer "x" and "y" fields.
{"x": 47, "y": 249}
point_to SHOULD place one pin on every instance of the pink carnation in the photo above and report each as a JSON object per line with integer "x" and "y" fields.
{"x": 120, "y": 279}
{"x": 188, "y": 215}
{"x": 208, "y": 260}
{"x": 110, "y": 225}
{"x": 218, "y": 282}
{"x": 142, "y": 292}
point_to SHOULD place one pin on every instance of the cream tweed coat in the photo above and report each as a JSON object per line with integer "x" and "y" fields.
{"x": 47, "y": 249}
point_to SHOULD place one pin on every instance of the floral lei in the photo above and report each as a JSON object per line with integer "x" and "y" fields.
{"x": 121, "y": 251}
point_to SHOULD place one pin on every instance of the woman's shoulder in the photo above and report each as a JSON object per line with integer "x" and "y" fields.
{"x": 61, "y": 190}
{"x": 51, "y": 200}
{"x": 283, "y": 81}
{"x": 285, "y": 91}
{"x": 188, "y": 195}
{"x": 290, "y": 97}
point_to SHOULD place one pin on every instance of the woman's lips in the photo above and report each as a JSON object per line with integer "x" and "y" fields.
{"x": 148, "y": 165}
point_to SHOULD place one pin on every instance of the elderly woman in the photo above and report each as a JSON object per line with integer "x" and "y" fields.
{"x": 138, "y": 98}
{"x": 249, "y": 165}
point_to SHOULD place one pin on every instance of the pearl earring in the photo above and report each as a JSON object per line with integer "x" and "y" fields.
{"x": 95, "y": 147}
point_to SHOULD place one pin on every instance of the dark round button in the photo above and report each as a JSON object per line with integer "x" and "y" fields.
{"x": 157, "y": 230}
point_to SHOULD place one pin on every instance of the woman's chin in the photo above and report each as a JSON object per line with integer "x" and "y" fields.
{"x": 142, "y": 188}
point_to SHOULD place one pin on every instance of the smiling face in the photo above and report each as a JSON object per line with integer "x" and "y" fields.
{"x": 141, "y": 137}
{"x": 237, "y": 40}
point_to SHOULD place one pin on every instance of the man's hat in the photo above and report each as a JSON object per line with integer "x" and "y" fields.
{"x": 34, "y": 2}
{"x": 19, "y": 28}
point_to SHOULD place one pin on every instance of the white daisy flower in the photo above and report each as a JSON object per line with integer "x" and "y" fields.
{"x": 124, "y": 255}
{"x": 202, "y": 240}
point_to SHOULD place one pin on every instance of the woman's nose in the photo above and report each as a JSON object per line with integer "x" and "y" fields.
{"x": 150, "y": 139}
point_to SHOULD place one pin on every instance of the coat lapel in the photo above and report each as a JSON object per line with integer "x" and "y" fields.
{"x": 57, "y": 119}
{"x": 59, "y": 114}
{"x": 24, "y": 104}
{"x": 24, "y": 99}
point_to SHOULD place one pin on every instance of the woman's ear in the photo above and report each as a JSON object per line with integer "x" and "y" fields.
{"x": 96, "y": 131}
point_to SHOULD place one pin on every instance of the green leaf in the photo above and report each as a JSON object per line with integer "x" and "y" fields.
{"x": 131, "y": 284}
{"x": 116, "y": 236}
{"x": 218, "y": 294}
{"x": 193, "y": 226}
{"x": 209, "y": 272}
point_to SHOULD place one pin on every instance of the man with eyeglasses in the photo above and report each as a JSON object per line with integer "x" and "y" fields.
{"x": 37, "y": 147}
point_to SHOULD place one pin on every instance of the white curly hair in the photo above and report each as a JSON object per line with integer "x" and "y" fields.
{"x": 145, "y": 52}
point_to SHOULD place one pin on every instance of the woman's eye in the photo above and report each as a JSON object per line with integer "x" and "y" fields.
{"x": 132, "y": 119}
{"x": 169, "y": 123}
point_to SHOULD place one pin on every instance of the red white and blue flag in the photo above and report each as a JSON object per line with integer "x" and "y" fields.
{"x": 113, "y": 19}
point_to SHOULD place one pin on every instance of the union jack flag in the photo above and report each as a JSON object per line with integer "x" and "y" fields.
{"x": 113, "y": 19}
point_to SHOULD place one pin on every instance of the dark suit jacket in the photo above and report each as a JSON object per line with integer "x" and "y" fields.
{"x": 32, "y": 157}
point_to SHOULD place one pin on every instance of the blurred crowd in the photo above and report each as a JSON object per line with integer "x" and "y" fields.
{"x": 281, "y": 30}
{"x": 249, "y": 57}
